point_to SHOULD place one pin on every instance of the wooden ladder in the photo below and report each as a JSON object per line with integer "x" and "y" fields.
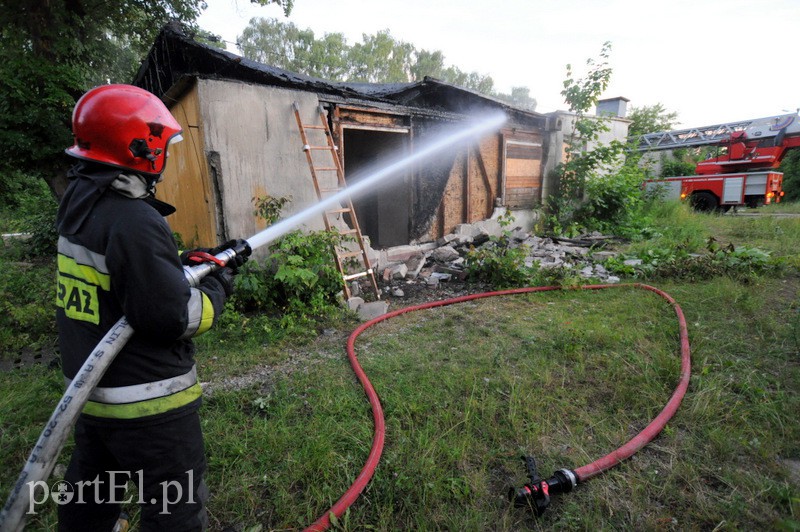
{"x": 347, "y": 204}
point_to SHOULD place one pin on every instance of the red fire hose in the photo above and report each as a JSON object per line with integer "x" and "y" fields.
{"x": 582, "y": 473}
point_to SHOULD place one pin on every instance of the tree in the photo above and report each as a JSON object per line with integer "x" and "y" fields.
{"x": 276, "y": 43}
{"x": 378, "y": 58}
{"x": 650, "y": 119}
{"x": 519, "y": 97}
{"x": 55, "y": 50}
{"x": 284, "y": 45}
{"x": 791, "y": 175}
{"x": 581, "y": 161}
{"x": 429, "y": 64}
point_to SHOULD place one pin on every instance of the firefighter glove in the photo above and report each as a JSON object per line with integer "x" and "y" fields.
{"x": 225, "y": 278}
{"x": 190, "y": 257}
{"x": 242, "y": 249}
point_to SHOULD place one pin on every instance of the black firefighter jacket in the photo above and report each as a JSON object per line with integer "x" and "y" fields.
{"x": 117, "y": 256}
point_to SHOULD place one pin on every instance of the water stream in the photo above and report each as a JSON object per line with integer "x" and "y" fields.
{"x": 391, "y": 170}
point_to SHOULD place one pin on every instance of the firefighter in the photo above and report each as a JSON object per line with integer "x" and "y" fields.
{"x": 117, "y": 256}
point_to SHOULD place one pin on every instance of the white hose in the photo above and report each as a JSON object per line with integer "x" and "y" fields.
{"x": 43, "y": 456}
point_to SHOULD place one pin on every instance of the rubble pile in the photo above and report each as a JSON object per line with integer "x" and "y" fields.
{"x": 407, "y": 268}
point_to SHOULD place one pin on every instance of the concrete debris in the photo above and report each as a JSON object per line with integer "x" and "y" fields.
{"x": 430, "y": 265}
{"x": 355, "y": 289}
{"x": 372, "y": 309}
{"x": 395, "y": 271}
{"x": 445, "y": 254}
{"x": 415, "y": 265}
{"x": 354, "y": 302}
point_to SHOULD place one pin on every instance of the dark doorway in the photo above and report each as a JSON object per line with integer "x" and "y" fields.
{"x": 383, "y": 213}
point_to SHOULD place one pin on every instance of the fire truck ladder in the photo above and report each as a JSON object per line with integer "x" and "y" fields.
{"x": 696, "y": 136}
{"x": 347, "y": 205}
{"x": 701, "y": 136}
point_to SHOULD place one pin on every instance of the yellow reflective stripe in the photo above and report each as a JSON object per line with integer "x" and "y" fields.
{"x": 78, "y": 299}
{"x": 89, "y": 274}
{"x": 149, "y": 407}
{"x": 207, "y": 317}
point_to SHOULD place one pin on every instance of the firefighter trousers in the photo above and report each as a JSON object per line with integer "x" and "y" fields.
{"x": 165, "y": 460}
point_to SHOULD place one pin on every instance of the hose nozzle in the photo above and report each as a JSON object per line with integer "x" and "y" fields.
{"x": 536, "y": 493}
{"x": 194, "y": 274}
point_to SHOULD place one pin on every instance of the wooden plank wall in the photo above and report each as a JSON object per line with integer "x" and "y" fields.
{"x": 484, "y": 179}
{"x": 523, "y": 170}
{"x": 472, "y": 188}
{"x": 186, "y": 183}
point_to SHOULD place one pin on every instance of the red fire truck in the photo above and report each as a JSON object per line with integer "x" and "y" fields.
{"x": 743, "y": 170}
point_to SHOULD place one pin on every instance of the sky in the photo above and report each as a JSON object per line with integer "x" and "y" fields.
{"x": 711, "y": 61}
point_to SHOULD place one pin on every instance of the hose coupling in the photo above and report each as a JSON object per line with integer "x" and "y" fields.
{"x": 242, "y": 247}
{"x": 536, "y": 494}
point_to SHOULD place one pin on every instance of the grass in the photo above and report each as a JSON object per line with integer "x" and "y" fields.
{"x": 466, "y": 389}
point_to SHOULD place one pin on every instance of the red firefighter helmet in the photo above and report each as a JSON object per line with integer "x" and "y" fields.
{"x": 123, "y": 126}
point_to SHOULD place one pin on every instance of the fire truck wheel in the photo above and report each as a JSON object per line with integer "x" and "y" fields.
{"x": 704, "y": 201}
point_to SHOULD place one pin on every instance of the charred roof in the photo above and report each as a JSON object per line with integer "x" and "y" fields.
{"x": 176, "y": 58}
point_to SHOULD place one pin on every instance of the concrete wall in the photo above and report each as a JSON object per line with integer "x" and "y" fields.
{"x": 252, "y": 136}
{"x": 559, "y": 129}
{"x": 241, "y": 142}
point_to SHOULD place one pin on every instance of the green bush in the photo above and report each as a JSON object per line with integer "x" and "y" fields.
{"x": 677, "y": 168}
{"x": 615, "y": 203}
{"x": 27, "y": 308}
{"x": 298, "y": 278}
{"x": 791, "y": 175}
{"x": 23, "y": 192}
{"x": 498, "y": 263}
{"x": 680, "y": 263}
{"x": 26, "y": 203}
{"x": 43, "y": 241}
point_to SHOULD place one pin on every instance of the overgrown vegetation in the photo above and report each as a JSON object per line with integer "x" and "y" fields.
{"x": 27, "y": 274}
{"x": 295, "y": 288}
{"x": 27, "y": 308}
{"x": 466, "y": 389}
{"x": 596, "y": 188}
{"x": 791, "y": 175}
{"x": 298, "y": 278}
{"x": 498, "y": 263}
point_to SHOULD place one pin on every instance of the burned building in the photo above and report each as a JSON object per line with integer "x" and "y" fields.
{"x": 242, "y": 141}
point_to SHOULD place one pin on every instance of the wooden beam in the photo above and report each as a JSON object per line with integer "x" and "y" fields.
{"x": 467, "y": 195}
{"x": 485, "y": 175}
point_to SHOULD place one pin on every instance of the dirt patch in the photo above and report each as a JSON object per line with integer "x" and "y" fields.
{"x": 418, "y": 292}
